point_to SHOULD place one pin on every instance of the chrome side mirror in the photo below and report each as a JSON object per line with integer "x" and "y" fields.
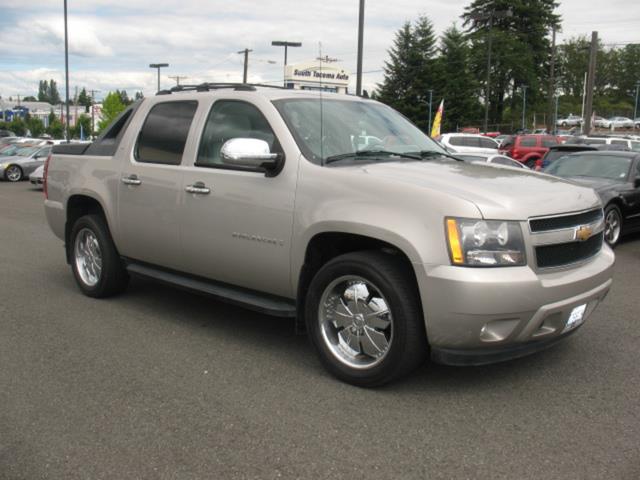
{"x": 249, "y": 153}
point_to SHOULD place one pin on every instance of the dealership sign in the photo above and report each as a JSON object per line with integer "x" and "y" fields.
{"x": 317, "y": 73}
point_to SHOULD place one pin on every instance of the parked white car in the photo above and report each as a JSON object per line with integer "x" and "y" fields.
{"x": 601, "y": 122}
{"x": 469, "y": 143}
{"x": 620, "y": 122}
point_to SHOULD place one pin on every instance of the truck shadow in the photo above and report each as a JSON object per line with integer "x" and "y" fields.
{"x": 276, "y": 338}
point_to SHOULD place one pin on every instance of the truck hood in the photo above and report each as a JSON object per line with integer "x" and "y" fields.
{"x": 499, "y": 192}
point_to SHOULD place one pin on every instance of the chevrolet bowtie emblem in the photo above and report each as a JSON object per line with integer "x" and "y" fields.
{"x": 583, "y": 233}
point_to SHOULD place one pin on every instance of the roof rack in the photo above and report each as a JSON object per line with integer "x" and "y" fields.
{"x": 207, "y": 86}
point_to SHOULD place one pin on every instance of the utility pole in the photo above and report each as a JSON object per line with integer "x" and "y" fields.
{"x": 524, "y": 106}
{"x": 158, "y": 66}
{"x": 246, "y": 63}
{"x": 93, "y": 111}
{"x": 66, "y": 69}
{"x": 493, "y": 14}
{"x": 590, "y": 83}
{"x": 552, "y": 80}
{"x": 360, "y": 47}
{"x": 635, "y": 105}
{"x": 430, "y": 102}
{"x": 177, "y": 78}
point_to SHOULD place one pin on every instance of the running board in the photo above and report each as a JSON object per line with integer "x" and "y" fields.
{"x": 260, "y": 302}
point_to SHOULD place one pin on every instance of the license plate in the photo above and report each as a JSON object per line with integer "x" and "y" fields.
{"x": 575, "y": 318}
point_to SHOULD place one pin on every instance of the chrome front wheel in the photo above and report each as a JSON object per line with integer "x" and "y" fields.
{"x": 13, "y": 173}
{"x": 612, "y": 225}
{"x": 355, "y": 322}
{"x": 88, "y": 257}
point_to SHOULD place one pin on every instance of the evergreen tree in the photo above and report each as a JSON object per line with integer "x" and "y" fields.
{"x": 84, "y": 99}
{"x": 457, "y": 84}
{"x": 30, "y": 98}
{"x": 43, "y": 87}
{"x": 138, "y": 96}
{"x": 520, "y": 53}
{"x": 411, "y": 71}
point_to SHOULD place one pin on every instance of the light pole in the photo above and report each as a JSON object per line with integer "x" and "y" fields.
{"x": 158, "y": 66}
{"x": 430, "y": 102}
{"x": 246, "y": 63}
{"x": 66, "y": 70}
{"x": 93, "y": 111}
{"x": 635, "y": 105}
{"x": 360, "y": 46}
{"x": 286, "y": 44}
{"x": 524, "y": 105}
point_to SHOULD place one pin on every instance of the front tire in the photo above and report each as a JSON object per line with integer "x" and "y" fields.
{"x": 95, "y": 262}
{"x": 364, "y": 318}
{"x": 612, "y": 225}
{"x": 13, "y": 173}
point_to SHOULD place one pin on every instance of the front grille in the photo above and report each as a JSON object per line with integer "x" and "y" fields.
{"x": 566, "y": 221}
{"x": 567, "y": 253}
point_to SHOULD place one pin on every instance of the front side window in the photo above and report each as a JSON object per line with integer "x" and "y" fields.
{"x": 232, "y": 119}
{"x": 164, "y": 133}
{"x": 487, "y": 143}
{"x": 549, "y": 142}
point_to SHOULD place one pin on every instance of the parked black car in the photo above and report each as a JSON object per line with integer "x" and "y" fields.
{"x": 616, "y": 178}
{"x": 558, "y": 151}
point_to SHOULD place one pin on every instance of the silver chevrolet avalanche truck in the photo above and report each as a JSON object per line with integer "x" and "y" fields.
{"x": 336, "y": 211}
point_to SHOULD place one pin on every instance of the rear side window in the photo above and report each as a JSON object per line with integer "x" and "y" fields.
{"x": 470, "y": 142}
{"x": 456, "y": 141}
{"x": 164, "y": 133}
{"x": 487, "y": 143}
{"x": 619, "y": 142}
{"x": 549, "y": 142}
{"x": 528, "y": 142}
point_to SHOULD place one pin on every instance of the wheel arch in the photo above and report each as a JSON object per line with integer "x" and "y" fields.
{"x": 324, "y": 246}
{"x": 77, "y": 206}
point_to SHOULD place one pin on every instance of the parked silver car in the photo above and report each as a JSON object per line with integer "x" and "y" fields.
{"x": 23, "y": 162}
{"x": 491, "y": 159}
{"x": 570, "y": 121}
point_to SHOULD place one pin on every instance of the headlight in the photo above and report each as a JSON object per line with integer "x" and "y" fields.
{"x": 485, "y": 243}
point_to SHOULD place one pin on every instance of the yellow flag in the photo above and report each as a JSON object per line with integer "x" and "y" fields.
{"x": 435, "y": 130}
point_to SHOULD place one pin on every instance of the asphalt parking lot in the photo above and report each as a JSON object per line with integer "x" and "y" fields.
{"x": 161, "y": 383}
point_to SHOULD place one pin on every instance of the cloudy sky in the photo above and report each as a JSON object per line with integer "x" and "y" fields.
{"x": 112, "y": 42}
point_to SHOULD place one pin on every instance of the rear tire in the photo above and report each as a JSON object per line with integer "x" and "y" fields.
{"x": 95, "y": 262}
{"x": 364, "y": 318}
{"x": 531, "y": 163}
{"x": 13, "y": 173}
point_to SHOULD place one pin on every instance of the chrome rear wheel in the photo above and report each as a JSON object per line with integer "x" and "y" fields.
{"x": 13, "y": 173}
{"x": 88, "y": 257}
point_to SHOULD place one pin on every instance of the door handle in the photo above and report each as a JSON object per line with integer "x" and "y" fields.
{"x": 198, "y": 188}
{"x": 131, "y": 180}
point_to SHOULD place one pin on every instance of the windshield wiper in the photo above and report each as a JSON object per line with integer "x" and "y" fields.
{"x": 369, "y": 153}
{"x": 424, "y": 154}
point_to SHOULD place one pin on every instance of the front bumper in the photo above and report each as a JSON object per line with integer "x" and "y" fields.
{"x": 477, "y": 316}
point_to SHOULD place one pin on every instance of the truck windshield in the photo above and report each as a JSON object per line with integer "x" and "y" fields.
{"x": 332, "y": 128}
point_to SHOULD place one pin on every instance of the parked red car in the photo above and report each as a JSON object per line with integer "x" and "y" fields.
{"x": 527, "y": 148}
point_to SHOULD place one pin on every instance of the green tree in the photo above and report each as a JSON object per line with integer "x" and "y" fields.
{"x": 457, "y": 84}
{"x": 18, "y": 126}
{"x": 111, "y": 108}
{"x": 36, "y": 126}
{"x": 48, "y": 92}
{"x": 138, "y": 96}
{"x": 30, "y": 98}
{"x": 56, "y": 129}
{"x": 84, "y": 99}
{"x": 85, "y": 122}
{"x": 411, "y": 71}
{"x": 521, "y": 50}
